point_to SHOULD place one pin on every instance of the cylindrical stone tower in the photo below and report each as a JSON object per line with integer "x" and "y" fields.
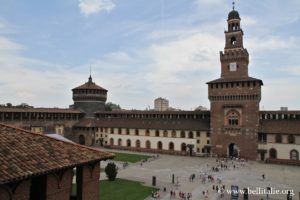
{"x": 89, "y": 98}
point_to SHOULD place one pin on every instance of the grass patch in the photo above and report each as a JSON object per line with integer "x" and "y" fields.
{"x": 122, "y": 189}
{"x": 132, "y": 158}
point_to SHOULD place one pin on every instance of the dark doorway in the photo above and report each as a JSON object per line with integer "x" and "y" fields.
{"x": 128, "y": 143}
{"x": 190, "y": 148}
{"x": 159, "y": 145}
{"x": 183, "y": 147}
{"x": 233, "y": 150}
{"x": 81, "y": 140}
{"x": 38, "y": 187}
{"x": 262, "y": 156}
{"x": 273, "y": 153}
{"x": 171, "y": 146}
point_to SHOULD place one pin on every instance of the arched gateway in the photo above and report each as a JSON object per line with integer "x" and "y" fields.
{"x": 81, "y": 140}
{"x": 233, "y": 150}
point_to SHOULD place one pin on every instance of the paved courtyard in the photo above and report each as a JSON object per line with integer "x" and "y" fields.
{"x": 277, "y": 177}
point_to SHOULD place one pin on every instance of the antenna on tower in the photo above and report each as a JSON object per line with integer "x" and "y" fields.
{"x": 90, "y": 78}
{"x": 233, "y": 4}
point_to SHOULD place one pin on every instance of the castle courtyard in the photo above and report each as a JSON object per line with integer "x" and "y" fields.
{"x": 280, "y": 178}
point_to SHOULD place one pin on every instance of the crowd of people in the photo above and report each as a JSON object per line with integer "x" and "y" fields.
{"x": 211, "y": 174}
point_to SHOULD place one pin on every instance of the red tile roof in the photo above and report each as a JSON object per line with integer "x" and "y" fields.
{"x": 90, "y": 85}
{"x": 162, "y": 124}
{"x": 24, "y": 154}
{"x": 240, "y": 79}
{"x": 153, "y": 112}
{"x": 40, "y": 110}
{"x": 280, "y": 126}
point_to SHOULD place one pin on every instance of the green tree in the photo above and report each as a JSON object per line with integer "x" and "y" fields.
{"x": 109, "y": 106}
{"x": 9, "y": 105}
{"x": 111, "y": 171}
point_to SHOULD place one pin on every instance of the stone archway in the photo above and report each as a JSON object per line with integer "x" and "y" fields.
{"x": 171, "y": 146}
{"x": 119, "y": 142}
{"x": 148, "y": 144}
{"x": 111, "y": 142}
{"x": 128, "y": 143}
{"x": 233, "y": 150}
{"x": 81, "y": 139}
{"x": 159, "y": 145}
{"x": 138, "y": 144}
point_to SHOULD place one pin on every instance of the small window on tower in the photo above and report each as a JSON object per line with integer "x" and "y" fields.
{"x": 233, "y": 41}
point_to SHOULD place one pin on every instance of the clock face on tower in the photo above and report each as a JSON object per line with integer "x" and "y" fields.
{"x": 232, "y": 67}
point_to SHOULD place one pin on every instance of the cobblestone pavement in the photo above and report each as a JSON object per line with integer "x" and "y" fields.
{"x": 277, "y": 177}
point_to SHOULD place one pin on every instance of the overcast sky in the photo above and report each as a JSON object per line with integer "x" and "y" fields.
{"x": 143, "y": 49}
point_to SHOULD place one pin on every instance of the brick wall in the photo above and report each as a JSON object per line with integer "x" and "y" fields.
{"x": 59, "y": 185}
{"x": 15, "y": 191}
{"x": 245, "y": 135}
{"x": 88, "y": 182}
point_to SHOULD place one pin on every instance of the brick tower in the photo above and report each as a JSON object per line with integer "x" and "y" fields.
{"x": 234, "y": 98}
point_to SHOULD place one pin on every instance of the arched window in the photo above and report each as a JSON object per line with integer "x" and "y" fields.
{"x": 148, "y": 144}
{"x": 81, "y": 140}
{"x": 128, "y": 143}
{"x": 278, "y": 139}
{"x": 171, "y": 146}
{"x": 183, "y": 147}
{"x": 159, "y": 145}
{"x": 157, "y": 133}
{"x": 182, "y": 134}
{"x": 111, "y": 141}
{"x": 127, "y": 131}
{"x": 233, "y": 118}
{"x": 294, "y": 155}
{"x": 233, "y": 41}
{"x": 173, "y": 133}
{"x": 191, "y": 135}
{"x": 138, "y": 144}
{"x": 291, "y": 139}
{"x": 273, "y": 153}
{"x": 165, "y": 133}
{"x": 120, "y": 142}
{"x": 147, "y": 132}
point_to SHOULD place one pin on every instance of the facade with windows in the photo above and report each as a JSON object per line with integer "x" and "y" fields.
{"x": 234, "y": 125}
{"x": 161, "y": 104}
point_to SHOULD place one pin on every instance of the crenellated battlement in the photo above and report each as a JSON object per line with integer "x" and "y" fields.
{"x": 234, "y": 55}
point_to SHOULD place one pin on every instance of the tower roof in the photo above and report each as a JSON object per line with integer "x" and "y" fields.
{"x": 90, "y": 85}
{"x": 233, "y": 15}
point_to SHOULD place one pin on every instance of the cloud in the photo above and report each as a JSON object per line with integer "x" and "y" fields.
{"x": 88, "y": 7}
{"x": 281, "y": 93}
{"x": 291, "y": 70}
{"x": 210, "y": 2}
{"x": 268, "y": 43}
{"x": 8, "y": 45}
